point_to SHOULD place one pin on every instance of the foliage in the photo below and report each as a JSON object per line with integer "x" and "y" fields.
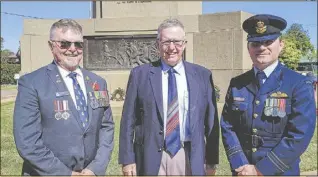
{"x": 290, "y": 55}
{"x": 118, "y": 94}
{"x": 297, "y": 45}
{"x": 8, "y": 71}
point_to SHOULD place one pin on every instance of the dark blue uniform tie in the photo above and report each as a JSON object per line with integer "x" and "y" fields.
{"x": 80, "y": 100}
{"x": 260, "y": 75}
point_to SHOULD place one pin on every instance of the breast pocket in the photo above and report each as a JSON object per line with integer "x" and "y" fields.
{"x": 277, "y": 124}
{"x": 240, "y": 111}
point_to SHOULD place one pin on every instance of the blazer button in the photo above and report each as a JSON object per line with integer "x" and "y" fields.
{"x": 255, "y": 115}
{"x": 257, "y": 102}
{"x": 160, "y": 150}
{"x": 85, "y": 135}
{"x": 161, "y": 132}
{"x": 254, "y": 149}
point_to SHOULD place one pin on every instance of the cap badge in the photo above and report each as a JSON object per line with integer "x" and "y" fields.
{"x": 260, "y": 27}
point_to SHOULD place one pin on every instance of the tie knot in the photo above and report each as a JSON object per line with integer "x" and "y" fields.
{"x": 72, "y": 75}
{"x": 171, "y": 71}
{"x": 260, "y": 75}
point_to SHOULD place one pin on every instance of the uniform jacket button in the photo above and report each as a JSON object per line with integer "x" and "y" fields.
{"x": 255, "y": 115}
{"x": 161, "y": 132}
{"x": 254, "y": 149}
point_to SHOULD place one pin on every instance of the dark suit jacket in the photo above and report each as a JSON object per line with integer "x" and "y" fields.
{"x": 57, "y": 147}
{"x": 141, "y": 132}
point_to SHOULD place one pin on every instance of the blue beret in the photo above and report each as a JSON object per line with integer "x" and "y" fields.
{"x": 264, "y": 27}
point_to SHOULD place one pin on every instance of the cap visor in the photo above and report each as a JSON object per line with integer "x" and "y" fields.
{"x": 263, "y": 38}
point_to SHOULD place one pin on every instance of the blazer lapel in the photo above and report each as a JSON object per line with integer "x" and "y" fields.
{"x": 58, "y": 81}
{"x": 156, "y": 84}
{"x": 193, "y": 89}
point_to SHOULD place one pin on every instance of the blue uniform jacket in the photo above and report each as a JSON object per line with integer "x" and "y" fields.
{"x": 270, "y": 127}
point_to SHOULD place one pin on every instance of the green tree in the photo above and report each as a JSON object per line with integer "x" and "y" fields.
{"x": 290, "y": 55}
{"x": 297, "y": 45}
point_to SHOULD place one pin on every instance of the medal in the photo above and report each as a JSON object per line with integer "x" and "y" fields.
{"x": 267, "y": 109}
{"x": 282, "y": 112}
{"x": 275, "y": 107}
{"x": 94, "y": 103}
{"x": 57, "y": 107}
{"x": 65, "y": 114}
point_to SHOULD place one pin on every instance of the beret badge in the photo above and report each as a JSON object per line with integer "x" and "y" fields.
{"x": 260, "y": 27}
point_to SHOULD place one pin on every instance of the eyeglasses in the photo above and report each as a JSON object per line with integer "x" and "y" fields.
{"x": 177, "y": 43}
{"x": 67, "y": 44}
{"x": 264, "y": 43}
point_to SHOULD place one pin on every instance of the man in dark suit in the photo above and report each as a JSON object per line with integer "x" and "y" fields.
{"x": 269, "y": 115}
{"x": 63, "y": 122}
{"x": 169, "y": 124}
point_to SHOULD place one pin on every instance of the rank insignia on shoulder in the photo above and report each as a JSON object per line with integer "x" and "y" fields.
{"x": 238, "y": 98}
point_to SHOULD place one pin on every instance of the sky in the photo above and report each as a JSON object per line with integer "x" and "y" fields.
{"x": 301, "y": 12}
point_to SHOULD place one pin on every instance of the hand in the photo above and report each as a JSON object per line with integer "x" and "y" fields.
{"x": 74, "y": 173}
{"x": 247, "y": 170}
{"x": 210, "y": 169}
{"x": 129, "y": 170}
{"x": 87, "y": 172}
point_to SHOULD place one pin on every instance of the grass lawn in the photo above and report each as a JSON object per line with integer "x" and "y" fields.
{"x": 11, "y": 163}
{"x": 8, "y": 87}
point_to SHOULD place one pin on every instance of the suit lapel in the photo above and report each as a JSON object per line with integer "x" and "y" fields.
{"x": 58, "y": 81}
{"x": 193, "y": 89}
{"x": 273, "y": 81}
{"x": 156, "y": 84}
{"x": 251, "y": 82}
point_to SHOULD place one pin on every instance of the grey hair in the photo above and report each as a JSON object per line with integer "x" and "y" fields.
{"x": 65, "y": 24}
{"x": 168, "y": 23}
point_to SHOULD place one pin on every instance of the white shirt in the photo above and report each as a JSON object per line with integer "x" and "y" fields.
{"x": 69, "y": 82}
{"x": 183, "y": 96}
{"x": 268, "y": 71}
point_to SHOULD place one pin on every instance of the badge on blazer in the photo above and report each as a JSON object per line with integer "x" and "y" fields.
{"x": 238, "y": 99}
{"x": 276, "y": 105}
{"x": 61, "y": 109}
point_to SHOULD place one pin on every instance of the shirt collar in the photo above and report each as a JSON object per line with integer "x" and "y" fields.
{"x": 268, "y": 71}
{"x": 178, "y": 68}
{"x": 65, "y": 73}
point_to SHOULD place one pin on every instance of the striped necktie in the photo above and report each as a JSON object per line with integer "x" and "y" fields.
{"x": 173, "y": 143}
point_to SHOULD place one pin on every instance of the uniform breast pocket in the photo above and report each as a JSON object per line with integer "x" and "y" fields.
{"x": 240, "y": 111}
{"x": 277, "y": 123}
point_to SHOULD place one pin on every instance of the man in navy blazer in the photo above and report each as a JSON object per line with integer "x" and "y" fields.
{"x": 169, "y": 124}
{"x": 63, "y": 122}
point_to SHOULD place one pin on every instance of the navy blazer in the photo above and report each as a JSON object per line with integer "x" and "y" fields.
{"x": 51, "y": 146}
{"x": 254, "y": 134}
{"x": 141, "y": 132}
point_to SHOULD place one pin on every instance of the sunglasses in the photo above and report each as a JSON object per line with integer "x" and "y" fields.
{"x": 67, "y": 44}
{"x": 264, "y": 43}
